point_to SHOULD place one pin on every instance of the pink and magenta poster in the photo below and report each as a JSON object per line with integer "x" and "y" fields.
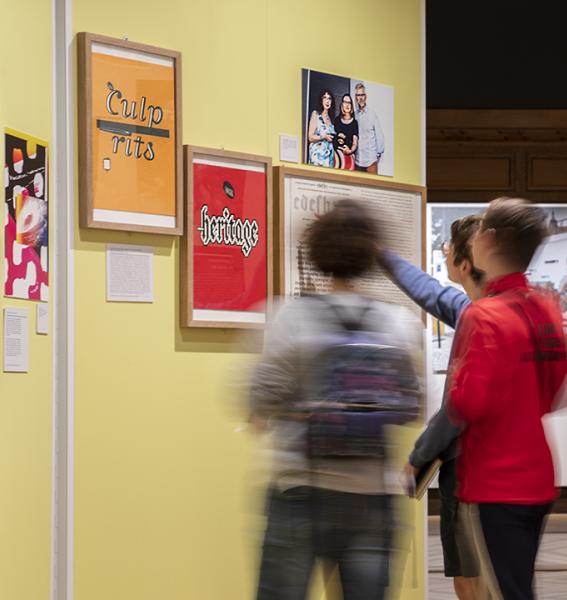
{"x": 26, "y": 217}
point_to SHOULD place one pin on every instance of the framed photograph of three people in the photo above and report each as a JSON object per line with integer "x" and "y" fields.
{"x": 226, "y": 253}
{"x": 130, "y": 142}
{"x": 348, "y": 123}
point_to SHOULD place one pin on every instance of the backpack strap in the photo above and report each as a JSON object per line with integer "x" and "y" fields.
{"x": 347, "y": 322}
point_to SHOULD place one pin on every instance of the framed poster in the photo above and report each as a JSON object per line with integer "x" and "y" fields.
{"x": 26, "y": 240}
{"x": 547, "y": 269}
{"x": 226, "y": 253}
{"x": 302, "y": 195}
{"x": 130, "y": 149}
{"x": 348, "y": 123}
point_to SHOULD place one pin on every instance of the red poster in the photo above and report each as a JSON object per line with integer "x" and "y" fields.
{"x": 229, "y": 237}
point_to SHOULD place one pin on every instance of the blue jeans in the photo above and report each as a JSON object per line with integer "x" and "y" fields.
{"x": 351, "y": 531}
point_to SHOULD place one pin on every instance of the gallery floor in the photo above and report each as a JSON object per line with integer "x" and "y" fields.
{"x": 551, "y": 567}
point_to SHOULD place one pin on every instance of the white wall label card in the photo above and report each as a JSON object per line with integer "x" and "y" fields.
{"x": 129, "y": 273}
{"x": 289, "y": 148}
{"x": 42, "y": 319}
{"x": 16, "y": 325}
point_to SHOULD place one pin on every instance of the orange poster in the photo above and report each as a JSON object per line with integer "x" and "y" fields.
{"x": 130, "y": 152}
{"x": 133, "y": 133}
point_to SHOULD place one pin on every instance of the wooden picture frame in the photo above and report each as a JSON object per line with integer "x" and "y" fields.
{"x": 130, "y": 136}
{"x": 319, "y": 186}
{"x": 237, "y": 190}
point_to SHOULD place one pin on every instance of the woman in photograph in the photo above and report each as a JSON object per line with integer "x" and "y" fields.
{"x": 346, "y": 140}
{"x": 321, "y": 131}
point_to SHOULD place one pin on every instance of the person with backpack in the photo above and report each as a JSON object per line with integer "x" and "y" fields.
{"x": 509, "y": 364}
{"x": 336, "y": 371}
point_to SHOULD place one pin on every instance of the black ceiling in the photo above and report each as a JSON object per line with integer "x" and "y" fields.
{"x": 497, "y": 54}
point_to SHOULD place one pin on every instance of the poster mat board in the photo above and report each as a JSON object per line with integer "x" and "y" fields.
{"x": 130, "y": 136}
{"x": 245, "y": 270}
{"x": 340, "y": 185}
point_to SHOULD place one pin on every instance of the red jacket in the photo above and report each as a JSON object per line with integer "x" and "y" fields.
{"x": 509, "y": 363}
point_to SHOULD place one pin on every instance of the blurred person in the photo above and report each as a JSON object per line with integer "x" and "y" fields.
{"x": 346, "y": 128}
{"x": 440, "y": 438}
{"x": 371, "y": 137}
{"x": 509, "y": 363}
{"x": 321, "y": 131}
{"x": 330, "y": 498}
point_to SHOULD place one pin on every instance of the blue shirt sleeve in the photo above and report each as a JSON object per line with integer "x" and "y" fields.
{"x": 437, "y": 441}
{"x": 379, "y": 136}
{"x": 443, "y": 302}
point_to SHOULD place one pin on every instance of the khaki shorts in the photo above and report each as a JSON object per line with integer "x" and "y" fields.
{"x": 459, "y": 556}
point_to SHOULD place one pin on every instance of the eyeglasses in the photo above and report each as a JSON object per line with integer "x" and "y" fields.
{"x": 360, "y": 95}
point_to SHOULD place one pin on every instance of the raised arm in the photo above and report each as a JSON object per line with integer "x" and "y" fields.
{"x": 443, "y": 302}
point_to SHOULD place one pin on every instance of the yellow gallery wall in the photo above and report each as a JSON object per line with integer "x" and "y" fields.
{"x": 165, "y": 485}
{"x": 25, "y": 399}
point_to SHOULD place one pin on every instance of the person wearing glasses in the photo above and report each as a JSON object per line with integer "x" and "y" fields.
{"x": 371, "y": 137}
{"x": 346, "y": 140}
{"x": 509, "y": 364}
{"x": 440, "y": 437}
{"x": 321, "y": 132}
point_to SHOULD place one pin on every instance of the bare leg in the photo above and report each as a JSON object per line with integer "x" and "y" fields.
{"x": 373, "y": 168}
{"x": 468, "y": 588}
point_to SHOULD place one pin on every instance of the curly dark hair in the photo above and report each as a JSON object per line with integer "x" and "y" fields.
{"x": 319, "y": 106}
{"x": 344, "y": 241}
{"x": 520, "y": 228}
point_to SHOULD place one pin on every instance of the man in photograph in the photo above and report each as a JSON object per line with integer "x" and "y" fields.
{"x": 371, "y": 137}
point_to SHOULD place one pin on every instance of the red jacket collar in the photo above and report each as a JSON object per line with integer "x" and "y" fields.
{"x": 506, "y": 282}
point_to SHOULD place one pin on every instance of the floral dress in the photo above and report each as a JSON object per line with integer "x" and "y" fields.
{"x": 321, "y": 152}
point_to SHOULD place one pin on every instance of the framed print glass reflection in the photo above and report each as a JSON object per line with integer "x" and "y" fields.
{"x": 226, "y": 253}
{"x": 130, "y": 150}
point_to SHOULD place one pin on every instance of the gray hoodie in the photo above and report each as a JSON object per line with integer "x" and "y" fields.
{"x": 292, "y": 342}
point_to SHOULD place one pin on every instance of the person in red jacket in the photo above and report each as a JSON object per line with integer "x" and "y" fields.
{"x": 508, "y": 367}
